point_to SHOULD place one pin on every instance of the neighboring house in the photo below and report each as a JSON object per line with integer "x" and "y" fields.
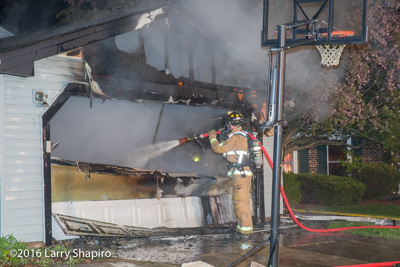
{"x": 325, "y": 159}
{"x": 291, "y": 162}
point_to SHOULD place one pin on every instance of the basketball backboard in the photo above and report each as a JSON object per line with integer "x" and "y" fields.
{"x": 337, "y": 21}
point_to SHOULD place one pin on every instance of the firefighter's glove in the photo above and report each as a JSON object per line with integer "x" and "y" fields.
{"x": 212, "y": 136}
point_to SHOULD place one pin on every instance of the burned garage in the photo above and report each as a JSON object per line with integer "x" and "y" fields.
{"x": 93, "y": 119}
{"x": 148, "y": 129}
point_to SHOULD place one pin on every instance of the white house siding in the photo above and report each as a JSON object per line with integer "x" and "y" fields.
{"x": 21, "y": 154}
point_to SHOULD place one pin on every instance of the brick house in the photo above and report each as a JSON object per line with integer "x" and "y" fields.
{"x": 324, "y": 159}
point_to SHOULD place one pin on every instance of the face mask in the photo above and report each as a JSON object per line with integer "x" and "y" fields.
{"x": 225, "y": 132}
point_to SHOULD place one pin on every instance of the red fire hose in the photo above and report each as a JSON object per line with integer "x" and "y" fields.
{"x": 290, "y": 210}
{"x": 382, "y": 264}
{"x": 307, "y": 228}
{"x": 206, "y": 134}
{"x": 379, "y": 264}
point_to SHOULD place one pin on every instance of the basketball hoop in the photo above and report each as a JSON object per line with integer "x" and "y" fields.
{"x": 330, "y": 54}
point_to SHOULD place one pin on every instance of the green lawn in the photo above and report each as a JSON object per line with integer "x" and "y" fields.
{"x": 376, "y": 232}
{"x": 387, "y": 210}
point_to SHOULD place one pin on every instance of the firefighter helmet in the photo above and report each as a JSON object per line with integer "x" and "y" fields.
{"x": 234, "y": 118}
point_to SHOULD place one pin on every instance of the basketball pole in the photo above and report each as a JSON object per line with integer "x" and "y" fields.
{"x": 309, "y": 34}
{"x": 277, "y": 158}
{"x": 278, "y": 131}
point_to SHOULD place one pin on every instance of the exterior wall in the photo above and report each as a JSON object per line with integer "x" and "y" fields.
{"x": 372, "y": 154}
{"x": 312, "y": 154}
{"x": 21, "y": 154}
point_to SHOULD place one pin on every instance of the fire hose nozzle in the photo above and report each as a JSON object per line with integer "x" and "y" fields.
{"x": 195, "y": 136}
{"x": 183, "y": 141}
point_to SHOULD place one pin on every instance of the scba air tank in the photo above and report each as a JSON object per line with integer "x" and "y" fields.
{"x": 256, "y": 154}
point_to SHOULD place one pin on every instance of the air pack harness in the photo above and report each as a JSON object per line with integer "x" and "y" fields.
{"x": 252, "y": 158}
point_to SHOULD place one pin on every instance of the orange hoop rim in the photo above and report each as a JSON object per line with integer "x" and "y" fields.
{"x": 339, "y": 34}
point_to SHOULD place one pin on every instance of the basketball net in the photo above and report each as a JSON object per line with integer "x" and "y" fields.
{"x": 330, "y": 54}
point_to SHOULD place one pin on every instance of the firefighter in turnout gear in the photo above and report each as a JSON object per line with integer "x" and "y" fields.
{"x": 235, "y": 150}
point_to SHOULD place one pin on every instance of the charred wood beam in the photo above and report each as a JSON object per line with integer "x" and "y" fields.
{"x": 106, "y": 168}
{"x": 71, "y": 89}
{"x": 47, "y": 185}
{"x": 213, "y": 77}
{"x": 191, "y": 68}
{"x": 142, "y": 51}
{"x": 57, "y": 104}
{"x": 166, "y": 52}
{"x": 198, "y": 93}
{"x": 117, "y": 170}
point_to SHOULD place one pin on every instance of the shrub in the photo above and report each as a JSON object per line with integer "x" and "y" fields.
{"x": 291, "y": 185}
{"x": 7, "y": 244}
{"x": 33, "y": 257}
{"x": 330, "y": 190}
{"x": 381, "y": 179}
{"x": 350, "y": 166}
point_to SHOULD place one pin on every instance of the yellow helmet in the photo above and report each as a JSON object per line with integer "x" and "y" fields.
{"x": 233, "y": 118}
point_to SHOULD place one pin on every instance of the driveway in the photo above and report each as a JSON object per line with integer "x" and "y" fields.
{"x": 221, "y": 247}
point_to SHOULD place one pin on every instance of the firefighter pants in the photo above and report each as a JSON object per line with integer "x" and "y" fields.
{"x": 241, "y": 202}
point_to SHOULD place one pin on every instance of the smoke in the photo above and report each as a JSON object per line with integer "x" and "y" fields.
{"x": 229, "y": 32}
{"x": 225, "y": 30}
{"x": 122, "y": 132}
{"x": 142, "y": 156}
{"x": 235, "y": 39}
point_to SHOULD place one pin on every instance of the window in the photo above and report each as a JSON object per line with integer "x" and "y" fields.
{"x": 288, "y": 163}
{"x": 334, "y": 154}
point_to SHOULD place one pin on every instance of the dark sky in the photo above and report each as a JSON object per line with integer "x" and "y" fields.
{"x": 24, "y": 16}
